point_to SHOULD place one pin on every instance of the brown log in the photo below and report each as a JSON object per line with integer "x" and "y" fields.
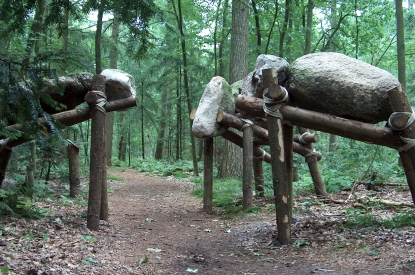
{"x": 74, "y": 170}
{"x": 247, "y": 167}
{"x": 288, "y": 132}
{"x": 257, "y": 151}
{"x": 278, "y": 161}
{"x": 69, "y": 118}
{"x": 259, "y": 177}
{"x": 399, "y": 102}
{"x": 306, "y": 138}
{"x": 353, "y": 129}
{"x": 97, "y": 162}
{"x": 311, "y": 160}
{"x": 208, "y": 175}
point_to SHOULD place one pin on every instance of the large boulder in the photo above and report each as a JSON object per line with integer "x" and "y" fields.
{"x": 252, "y": 85}
{"x": 216, "y": 97}
{"x": 336, "y": 84}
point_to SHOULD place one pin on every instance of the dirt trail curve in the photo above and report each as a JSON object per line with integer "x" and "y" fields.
{"x": 157, "y": 221}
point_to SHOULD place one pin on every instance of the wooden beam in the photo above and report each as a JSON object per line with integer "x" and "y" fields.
{"x": 348, "y": 128}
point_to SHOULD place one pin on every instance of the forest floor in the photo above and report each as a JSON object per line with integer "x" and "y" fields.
{"x": 157, "y": 227}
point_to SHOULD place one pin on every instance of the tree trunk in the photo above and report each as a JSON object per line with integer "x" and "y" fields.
{"x": 400, "y": 42}
{"x": 162, "y": 124}
{"x": 186, "y": 85}
{"x": 5, "y": 154}
{"x": 287, "y": 15}
{"x": 257, "y": 27}
{"x": 74, "y": 170}
{"x": 223, "y": 39}
{"x": 32, "y": 45}
{"x": 230, "y": 163}
{"x": 98, "y": 34}
{"x": 109, "y": 120}
{"x": 309, "y": 26}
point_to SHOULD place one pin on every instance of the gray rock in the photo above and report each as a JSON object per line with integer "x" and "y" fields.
{"x": 252, "y": 85}
{"x": 119, "y": 84}
{"x": 336, "y": 84}
{"x": 216, "y": 97}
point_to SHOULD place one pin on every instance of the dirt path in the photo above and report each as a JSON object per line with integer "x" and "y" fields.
{"x": 156, "y": 227}
{"x": 158, "y": 218}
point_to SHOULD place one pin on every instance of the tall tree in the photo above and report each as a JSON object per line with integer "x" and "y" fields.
{"x": 230, "y": 162}
{"x": 400, "y": 42}
{"x": 179, "y": 18}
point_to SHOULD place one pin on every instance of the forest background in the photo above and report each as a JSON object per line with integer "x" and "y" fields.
{"x": 173, "y": 49}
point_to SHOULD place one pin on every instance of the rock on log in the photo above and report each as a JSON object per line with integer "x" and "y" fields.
{"x": 339, "y": 85}
{"x": 216, "y": 97}
{"x": 70, "y": 91}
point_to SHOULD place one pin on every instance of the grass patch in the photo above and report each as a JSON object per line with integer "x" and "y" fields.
{"x": 360, "y": 220}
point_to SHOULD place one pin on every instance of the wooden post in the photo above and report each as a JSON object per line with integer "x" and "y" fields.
{"x": 259, "y": 177}
{"x": 311, "y": 160}
{"x": 247, "y": 165}
{"x": 96, "y": 99}
{"x": 405, "y": 124}
{"x": 288, "y": 132}
{"x": 5, "y": 154}
{"x": 208, "y": 175}
{"x": 74, "y": 170}
{"x": 274, "y": 92}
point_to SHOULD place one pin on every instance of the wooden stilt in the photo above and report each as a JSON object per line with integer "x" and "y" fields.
{"x": 258, "y": 177}
{"x": 5, "y": 154}
{"x": 74, "y": 170}
{"x": 208, "y": 175}
{"x": 311, "y": 160}
{"x": 403, "y": 122}
{"x": 279, "y": 170}
{"x": 97, "y": 99}
{"x": 247, "y": 165}
{"x": 288, "y": 132}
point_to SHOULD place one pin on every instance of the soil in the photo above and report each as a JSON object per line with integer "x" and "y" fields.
{"x": 157, "y": 227}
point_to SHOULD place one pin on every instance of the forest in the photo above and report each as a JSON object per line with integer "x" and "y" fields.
{"x": 172, "y": 49}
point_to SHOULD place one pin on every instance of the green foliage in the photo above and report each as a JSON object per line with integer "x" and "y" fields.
{"x": 400, "y": 220}
{"x": 359, "y": 219}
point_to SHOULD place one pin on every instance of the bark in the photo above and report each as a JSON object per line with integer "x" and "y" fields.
{"x": 247, "y": 167}
{"x": 97, "y": 162}
{"x": 352, "y": 129}
{"x": 278, "y": 162}
{"x": 400, "y": 42}
{"x": 208, "y": 175}
{"x": 74, "y": 170}
{"x": 222, "y": 41}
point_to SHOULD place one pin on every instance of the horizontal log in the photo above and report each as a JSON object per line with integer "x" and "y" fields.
{"x": 235, "y": 122}
{"x": 69, "y": 118}
{"x": 366, "y": 132}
